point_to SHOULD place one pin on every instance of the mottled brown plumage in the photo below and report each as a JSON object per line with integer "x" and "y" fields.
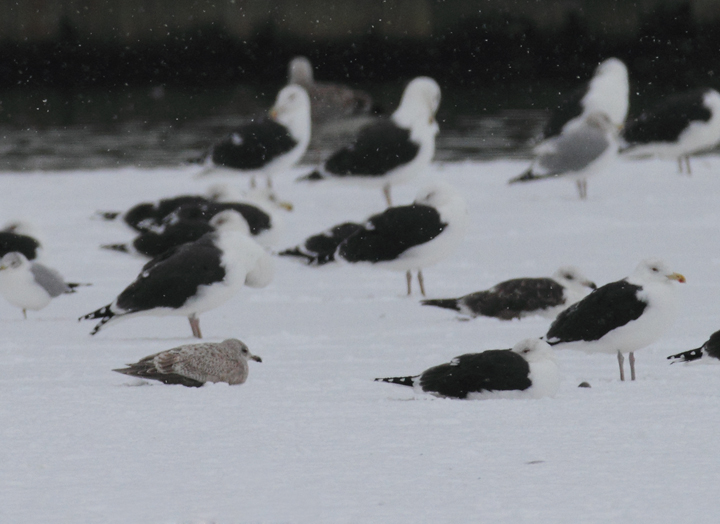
{"x": 194, "y": 364}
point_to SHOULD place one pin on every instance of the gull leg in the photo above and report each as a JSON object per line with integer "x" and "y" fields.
{"x": 269, "y": 181}
{"x": 581, "y": 184}
{"x": 631, "y": 358}
{"x": 621, "y": 360}
{"x": 386, "y": 192}
{"x": 421, "y": 281}
{"x": 195, "y": 325}
{"x": 408, "y": 276}
{"x": 680, "y": 164}
{"x": 25, "y": 314}
{"x": 687, "y": 163}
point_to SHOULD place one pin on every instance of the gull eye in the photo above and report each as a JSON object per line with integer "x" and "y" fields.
{"x": 654, "y": 269}
{"x": 526, "y": 351}
{"x": 569, "y": 276}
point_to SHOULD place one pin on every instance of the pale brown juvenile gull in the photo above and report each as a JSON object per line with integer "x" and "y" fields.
{"x": 192, "y": 365}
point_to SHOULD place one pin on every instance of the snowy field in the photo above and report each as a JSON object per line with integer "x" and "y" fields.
{"x": 310, "y": 437}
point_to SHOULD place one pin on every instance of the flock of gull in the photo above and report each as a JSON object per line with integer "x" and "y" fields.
{"x": 203, "y": 249}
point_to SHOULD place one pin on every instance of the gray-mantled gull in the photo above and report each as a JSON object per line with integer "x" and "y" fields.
{"x": 620, "y": 317}
{"x": 528, "y": 370}
{"x": 578, "y": 153}
{"x": 521, "y": 297}
{"x": 606, "y": 92}
{"x": 194, "y": 364}
{"x": 30, "y": 285}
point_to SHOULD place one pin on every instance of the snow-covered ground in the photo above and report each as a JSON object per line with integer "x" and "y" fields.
{"x": 310, "y": 437}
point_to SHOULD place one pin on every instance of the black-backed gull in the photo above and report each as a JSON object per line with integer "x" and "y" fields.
{"x": 194, "y": 364}
{"x": 528, "y": 370}
{"x": 320, "y": 249}
{"x": 403, "y": 238}
{"x": 521, "y": 297}
{"x": 195, "y": 277}
{"x": 30, "y": 285}
{"x": 711, "y": 348}
{"x": 393, "y": 151}
{"x": 679, "y": 126}
{"x": 147, "y": 215}
{"x": 329, "y": 101}
{"x": 268, "y": 146}
{"x": 21, "y": 237}
{"x": 620, "y": 317}
{"x": 606, "y": 92}
{"x": 579, "y": 152}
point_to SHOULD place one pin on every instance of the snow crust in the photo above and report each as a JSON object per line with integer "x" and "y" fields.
{"x": 310, "y": 438}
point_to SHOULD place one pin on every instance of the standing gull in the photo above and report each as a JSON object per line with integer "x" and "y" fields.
{"x": 528, "y": 370}
{"x": 403, "y": 238}
{"x": 393, "y": 151}
{"x": 580, "y": 152}
{"x": 329, "y": 101}
{"x": 711, "y": 348}
{"x": 521, "y": 297}
{"x": 620, "y": 317}
{"x": 30, "y": 285}
{"x": 194, "y": 364}
{"x": 195, "y": 277}
{"x": 606, "y": 92}
{"x": 268, "y": 146}
{"x": 678, "y": 127}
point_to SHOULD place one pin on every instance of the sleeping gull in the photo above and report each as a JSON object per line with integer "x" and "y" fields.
{"x": 394, "y": 151}
{"x": 578, "y": 153}
{"x": 606, "y": 92}
{"x": 30, "y": 285}
{"x": 678, "y": 127}
{"x": 404, "y": 238}
{"x": 528, "y": 370}
{"x": 195, "y": 277}
{"x": 711, "y": 348}
{"x": 194, "y": 364}
{"x": 268, "y": 146}
{"x": 521, "y": 297}
{"x": 620, "y": 317}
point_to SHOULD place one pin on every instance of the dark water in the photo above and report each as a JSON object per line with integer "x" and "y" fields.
{"x": 155, "y": 127}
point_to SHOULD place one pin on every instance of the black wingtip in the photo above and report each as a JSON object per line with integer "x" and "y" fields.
{"x": 447, "y": 303}
{"x": 311, "y": 177}
{"x": 402, "y": 381}
{"x": 527, "y": 176}
{"x": 122, "y": 248}
{"x": 686, "y": 356}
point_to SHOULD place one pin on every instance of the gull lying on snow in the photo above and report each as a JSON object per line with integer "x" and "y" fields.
{"x": 528, "y": 370}
{"x": 194, "y": 364}
{"x": 521, "y": 297}
{"x": 711, "y": 348}
{"x": 620, "y": 317}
